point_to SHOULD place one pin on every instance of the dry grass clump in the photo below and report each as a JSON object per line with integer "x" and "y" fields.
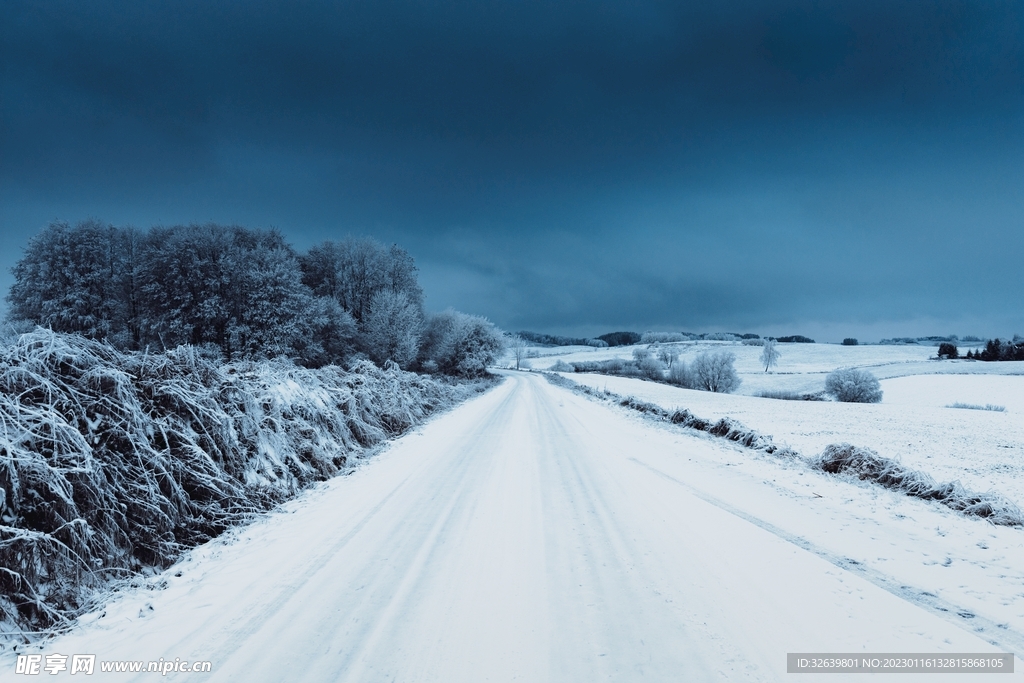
{"x": 783, "y": 395}
{"x": 112, "y": 463}
{"x": 867, "y": 465}
{"x": 975, "y": 406}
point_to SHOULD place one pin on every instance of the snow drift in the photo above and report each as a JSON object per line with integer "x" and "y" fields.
{"x": 112, "y": 463}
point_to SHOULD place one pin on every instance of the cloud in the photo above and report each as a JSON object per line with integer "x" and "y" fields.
{"x": 793, "y": 137}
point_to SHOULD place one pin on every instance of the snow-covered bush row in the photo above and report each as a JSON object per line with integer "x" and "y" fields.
{"x": 724, "y": 428}
{"x": 112, "y": 462}
{"x": 976, "y": 406}
{"x": 560, "y": 340}
{"x": 650, "y": 337}
{"x": 782, "y": 395}
{"x": 863, "y": 463}
{"x": 663, "y": 337}
{"x": 867, "y": 465}
{"x": 708, "y": 371}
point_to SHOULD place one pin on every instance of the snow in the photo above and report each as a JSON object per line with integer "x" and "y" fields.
{"x": 983, "y": 449}
{"x": 802, "y": 367}
{"x": 534, "y": 534}
{"x": 939, "y": 391}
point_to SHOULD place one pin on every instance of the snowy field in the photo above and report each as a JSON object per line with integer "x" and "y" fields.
{"x": 802, "y": 367}
{"x": 983, "y": 449}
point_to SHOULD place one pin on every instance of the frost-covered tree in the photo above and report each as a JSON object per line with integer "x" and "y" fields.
{"x": 652, "y": 368}
{"x": 517, "y": 346}
{"x": 269, "y": 310}
{"x": 851, "y": 385}
{"x": 668, "y": 356}
{"x": 79, "y": 279}
{"x": 332, "y": 334}
{"x": 459, "y": 344}
{"x": 391, "y": 328}
{"x": 237, "y": 289}
{"x": 715, "y": 372}
{"x": 353, "y": 270}
{"x": 232, "y": 287}
{"x": 769, "y": 354}
{"x": 681, "y": 374}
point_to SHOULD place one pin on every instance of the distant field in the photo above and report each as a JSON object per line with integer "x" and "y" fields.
{"x": 802, "y": 367}
{"x": 984, "y": 449}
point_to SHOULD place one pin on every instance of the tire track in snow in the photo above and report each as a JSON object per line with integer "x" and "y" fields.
{"x": 428, "y": 503}
{"x": 986, "y": 629}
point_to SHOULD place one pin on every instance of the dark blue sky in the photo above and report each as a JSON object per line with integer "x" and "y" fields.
{"x": 830, "y": 169}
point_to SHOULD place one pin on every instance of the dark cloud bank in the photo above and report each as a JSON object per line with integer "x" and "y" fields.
{"x": 830, "y": 169}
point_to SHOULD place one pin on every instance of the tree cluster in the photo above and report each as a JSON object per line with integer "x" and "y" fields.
{"x": 1000, "y": 349}
{"x": 244, "y": 292}
{"x": 708, "y": 371}
{"x": 620, "y": 338}
{"x": 559, "y": 340}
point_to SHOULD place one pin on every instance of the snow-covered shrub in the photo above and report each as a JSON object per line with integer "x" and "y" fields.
{"x": 851, "y": 385}
{"x": 975, "y": 406}
{"x": 668, "y": 355}
{"x": 460, "y": 344}
{"x": 113, "y": 462}
{"x": 753, "y": 342}
{"x": 562, "y": 366}
{"x": 783, "y": 395}
{"x": 681, "y": 375}
{"x": 652, "y": 368}
{"x": 867, "y": 465}
{"x": 715, "y": 372}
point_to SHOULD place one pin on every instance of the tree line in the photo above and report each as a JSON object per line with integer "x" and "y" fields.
{"x": 1000, "y": 349}
{"x": 245, "y": 293}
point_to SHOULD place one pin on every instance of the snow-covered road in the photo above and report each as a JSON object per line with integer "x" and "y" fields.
{"x": 530, "y": 535}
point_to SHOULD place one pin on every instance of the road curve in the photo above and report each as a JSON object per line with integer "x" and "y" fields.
{"x": 520, "y": 537}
